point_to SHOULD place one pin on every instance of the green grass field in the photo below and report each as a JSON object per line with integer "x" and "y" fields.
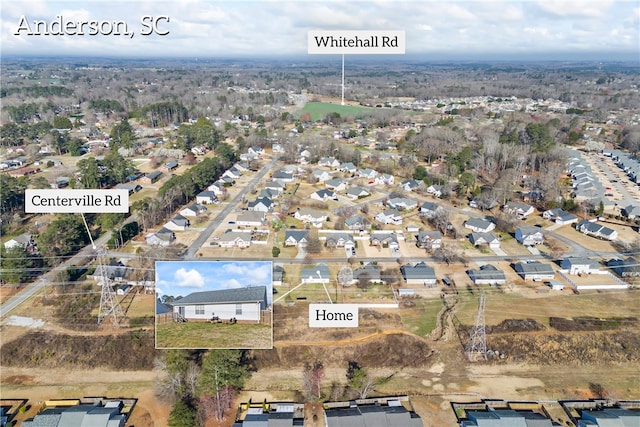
{"x": 319, "y": 110}
{"x": 213, "y": 335}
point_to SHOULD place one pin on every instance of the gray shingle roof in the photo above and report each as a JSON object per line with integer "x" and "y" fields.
{"x": 250, "y": 294}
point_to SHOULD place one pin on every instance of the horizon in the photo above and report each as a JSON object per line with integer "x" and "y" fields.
{"x": 606, "y": 30}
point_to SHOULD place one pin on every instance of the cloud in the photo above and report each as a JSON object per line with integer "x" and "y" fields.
{"x": 231, "y": 284}
{"x": 184, "y": 278}
{"x": 585, "y": 8}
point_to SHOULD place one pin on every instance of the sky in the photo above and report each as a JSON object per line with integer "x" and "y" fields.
{"x": 472, "y": 29}
{"x": 185, "y": 277}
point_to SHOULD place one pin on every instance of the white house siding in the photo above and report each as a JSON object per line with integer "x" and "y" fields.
{"x": 250, "y": 312}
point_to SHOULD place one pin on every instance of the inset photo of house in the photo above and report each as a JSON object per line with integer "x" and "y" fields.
{"x": 214, "y": 304}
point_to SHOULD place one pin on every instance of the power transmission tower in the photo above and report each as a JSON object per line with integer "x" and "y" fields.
{"x": 477, "y": 346}
{"x": 109, "y": 305}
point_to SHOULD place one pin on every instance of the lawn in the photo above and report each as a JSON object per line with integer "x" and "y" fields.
{"x": 319, "y": 110}
{"x": 213, "y": 335}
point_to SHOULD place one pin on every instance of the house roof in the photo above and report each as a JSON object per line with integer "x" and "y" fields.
{"x": 528, "y": 231}
{"x": 419, "y": 271}
{"x": 248, "y": 294}
{"x": 357, "y": 191}
{"x": 487, "y": 272}
{"x": 477, "y": 223}
{"x": 353, "y": 220}
{"x": 479, "y": 238}
{"x": 251, "y": 216}
{"x": 570, "y": 261}
{"x": 533, "y": 267}
{"x": 296, "y": 235}
{"x": 153, "y": 175}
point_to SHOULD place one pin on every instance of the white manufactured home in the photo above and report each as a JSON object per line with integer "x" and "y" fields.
{"x": 244, "y": 305}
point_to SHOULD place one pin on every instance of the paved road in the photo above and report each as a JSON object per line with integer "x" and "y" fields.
{"x": 27, "y": 292}
{"x": 217, "y": 221}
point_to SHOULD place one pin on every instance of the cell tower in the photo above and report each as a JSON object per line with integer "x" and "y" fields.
{"x": 477, "y": 346}
{"x": 109, "y": 305}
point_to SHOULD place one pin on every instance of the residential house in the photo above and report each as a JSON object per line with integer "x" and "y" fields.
{"x": 296, "y": 238}
{"x": 324, "y": 195}
{"x": 131, "y": 188}
{"x": 341, "y": 240}
{"x": 389, "y": 216}
{"x": 255, "y": 151}
{"x": 372, "y": 415}
{"x": 268, "y": 194}
{"x": 218, "y": 189}
{"x": 242, "y": 166}
{"x": 402, "y": 203}
{"x": 370, "y": 271}
{"x": 283, "y": 177}
{"x": 418, "y": 274}
{"x": 529, "y": 236}
{"x": 429, "y": 239}
{"x": 24, "y": 240}
{"x": 385, "y": 179}
{"x": 478, "y": 225}
{"x": 232, "y": 239}
{"x": 629, "y": 267}
{"x": 487, "y": 275}
{"x": 311, "y": 216}
{"x": 162, "y": 237}
{"x": 242, "y": 304}
{"x": 193, "y": 209}
{"x": 321, "y": 175}
{"x": 534, "y": 270}
{"x": 101, "y": 413}
{"x": 275, "y": 186}
{"x": 113, "y": 269}
{"x": 435, "y": 190}
{"x": 580, "y": 265}
{"x": 519, "y": 210}
{"x": 278, "y": 275}
{"x": 429, "y": 209}
{"x": 177, "y": 223}
{"x": 315, "y": 274}
{"x": 347, "y": 167}
{"x": 251, "y": 219}
{"x": 206, "y": 197}
{"x": 151, "y": 177}
{"x": 261, "y": 204}
{"x": 357, "y": 222}
{"x": 481, "y": 239}
{"x": 631, "y": 212}
{"x": 384, "y": 240}
{"x": 483, "y": 203}
{"x": 170, "y": 166}
{"x": 411, "y": 184}
{"x": 367, "y": 173}
{"x": 330, "y": 162}
{"x": 357, "y": 193}
{"x": 596, "y": 230}
{"x": 336, "y": 184}
{"x": 232, "y": 173}
{"x": 559, "y": 216}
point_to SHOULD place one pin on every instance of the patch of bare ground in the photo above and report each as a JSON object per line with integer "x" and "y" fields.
{"x": 134, "y": 350}
{"x": 385, "y": 349}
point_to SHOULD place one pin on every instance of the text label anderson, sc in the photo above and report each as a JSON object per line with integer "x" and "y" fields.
{"x": 76, "y": 201}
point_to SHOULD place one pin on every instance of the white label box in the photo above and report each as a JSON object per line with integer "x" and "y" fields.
{"x": 333, "y": 315}
{"x": 76, "y": 201}
{"x": 356, "y": 42}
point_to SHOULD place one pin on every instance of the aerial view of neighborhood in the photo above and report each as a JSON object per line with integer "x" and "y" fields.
{"x": 323, "y": 214}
